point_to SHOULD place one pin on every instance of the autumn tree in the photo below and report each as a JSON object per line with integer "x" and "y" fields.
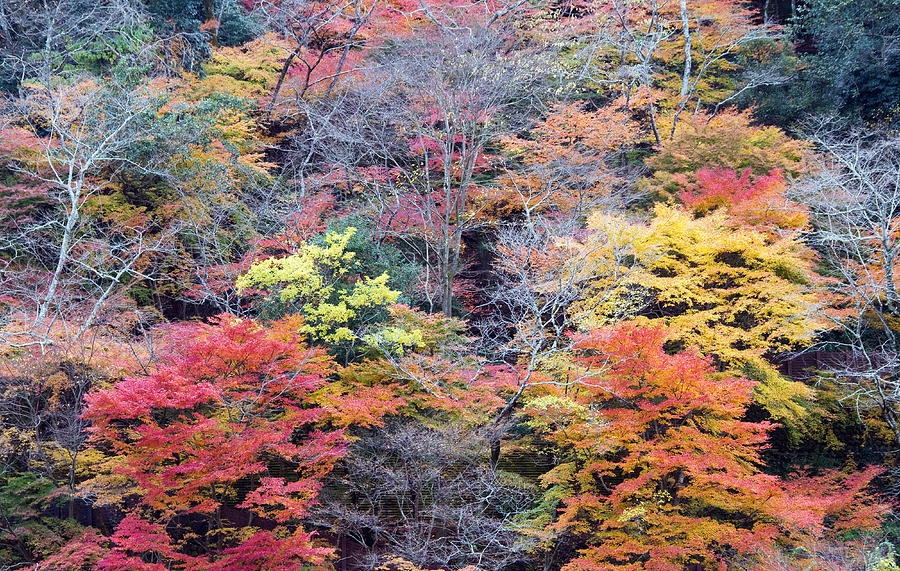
{"x": 230, "y": 406}
{"x": 739, "y": 295}
{"x": 758, "y": 201}
{"x": 427, "y": 365}
{"x": 567, "y": 164}
{"x": 620, "y": 42}
{"x": 658, "y": 470}
{"x": 317, "y": 280}
{"x": 538, "y": 278}
{"x": 728, "y": 140}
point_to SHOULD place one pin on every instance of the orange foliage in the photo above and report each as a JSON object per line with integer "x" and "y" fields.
{"x": 728, "y": 140}
{"x": 565, "y": 159}
{"x": 664, "y": 472}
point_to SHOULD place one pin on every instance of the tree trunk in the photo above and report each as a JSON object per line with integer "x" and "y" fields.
{"x": 447, "y": 285}
{"x": 209, "y": 14}
{"x": 64, "y": 246}
{"x": 653, "y": 115}
{"x": 686, "y": 32}
{"x": 495, "y": 452}
{"x": 281, "y": 76}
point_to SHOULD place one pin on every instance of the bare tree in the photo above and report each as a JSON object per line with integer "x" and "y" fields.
{"x": 412, "y": 133}
{"x": 218, "y": 235}
{"x": 861, "y": 554}
{"x": 854, "y": 202}
{"x": 43, "y": 419}
{"x": 637, "y": 35}
{"x": 717, "y": 39}
{"x": 43, "y": 38}
{"x": 634, "y": 33}
{"x": 539, "y": 277}
{"x": 454, "y": 92}
{"x": 427, "y": 495}
{"x": 343, "y": 135}
{"x": 322, "y": 35}
{"x": 81, "y": 135}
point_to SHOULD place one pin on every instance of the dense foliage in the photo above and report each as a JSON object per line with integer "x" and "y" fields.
{"x": 449, "y": 284}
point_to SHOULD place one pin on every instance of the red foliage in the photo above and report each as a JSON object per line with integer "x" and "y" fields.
{"x": 723, "y": 187}
{"x": 233, "y": 404}
{"x": 20, "y": 203}
{"x": 264, "y": 550}
{"x": 140, "y": 545}
{"x": 82, "y": 552}
{"x": 757, "y": 200}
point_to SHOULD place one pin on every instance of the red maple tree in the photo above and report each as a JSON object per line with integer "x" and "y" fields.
{"x": 215, "y": 446}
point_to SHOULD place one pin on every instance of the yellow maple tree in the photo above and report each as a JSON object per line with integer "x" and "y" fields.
{"x": 737, "y": 294}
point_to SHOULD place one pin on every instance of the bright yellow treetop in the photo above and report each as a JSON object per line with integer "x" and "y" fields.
{"x": 317, "y": 280}
{"x": 736, "y": 294}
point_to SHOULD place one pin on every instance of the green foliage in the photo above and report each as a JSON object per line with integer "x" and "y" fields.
{"x": 23, "y": 493}
{"x": 119, "y": 54}
{"x": 248, "y": 69}
{"x": 28, "y": 530}
{"x": 376, "y": 256}
{"x": 853, "y": 67}
{"x": 884, "y": 558}
{"x": 171, "y": 17}
{"x": 236, "y": 25}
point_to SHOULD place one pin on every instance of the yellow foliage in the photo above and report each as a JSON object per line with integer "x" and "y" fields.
{"x": 315, "y": 279}
{"x": 396, "y": 339}
{"x": 231, "y": 140}
{"x": 110, "y": 484}
{"x": 410, "y": 330}
{"x": 883, "y": 558}
{"x": 736, "y": 294}
{"x": 247, "y": 70}
{"x": 556, "y": 410}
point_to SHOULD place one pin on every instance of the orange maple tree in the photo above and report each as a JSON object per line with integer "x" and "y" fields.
{"x": 665, "y": 472}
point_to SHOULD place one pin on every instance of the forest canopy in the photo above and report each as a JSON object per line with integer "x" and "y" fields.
{"x": 462, "y": 285}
